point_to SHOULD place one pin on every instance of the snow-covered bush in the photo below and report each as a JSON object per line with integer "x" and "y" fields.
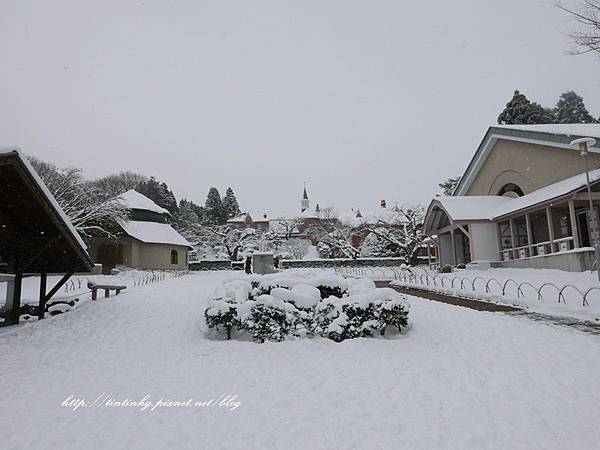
{"x": 267, "y": 318}
{"x": 365, "y": 314}
{"x": 294, "y": 307}
{"x": 222, "y": 316}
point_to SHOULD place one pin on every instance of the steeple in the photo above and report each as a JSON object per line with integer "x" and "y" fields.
{"x": 304, "y": 203}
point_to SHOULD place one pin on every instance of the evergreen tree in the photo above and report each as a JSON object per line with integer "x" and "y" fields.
{"x": 215, "y": 213}
{"x": 448, "y": 185}
{"x": 185, "y": 214}
{"x": 159, "y": 193}
{"x": 519, "y": 110}
{"x": 230, "y": 204}
{"x": 571, "y": 109}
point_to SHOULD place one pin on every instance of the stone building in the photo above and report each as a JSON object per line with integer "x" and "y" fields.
{"x": 145, "y": 241}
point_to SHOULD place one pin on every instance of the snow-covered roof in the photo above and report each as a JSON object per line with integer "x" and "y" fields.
{"x": 310, "y": 214}
{"x": 132, "y": 199}
{"x": 546, "y": 194}
{"x": 64, "y": 218}
{"x": 474, "y": 207}
{"x": 153, "y": 233}
{"x": 381, "y": 215}
{"x": 565, "y": 129}
{"x": 242, "y": 218}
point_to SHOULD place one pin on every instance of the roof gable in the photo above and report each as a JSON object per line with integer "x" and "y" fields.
{"x": 35, "y": 233}
{"x": 550, "y": 135}
{"x": 132, "y": 199}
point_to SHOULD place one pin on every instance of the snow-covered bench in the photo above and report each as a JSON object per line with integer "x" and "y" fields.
{"x": 107, "y": 288}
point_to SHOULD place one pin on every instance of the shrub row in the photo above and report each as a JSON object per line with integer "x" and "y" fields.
{"x": 266, "y": 317}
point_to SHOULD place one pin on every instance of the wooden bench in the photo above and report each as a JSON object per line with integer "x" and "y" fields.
{"x": 107, "y": 288}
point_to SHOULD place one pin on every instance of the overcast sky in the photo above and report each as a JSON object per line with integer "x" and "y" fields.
{"x": 363, "y": 101}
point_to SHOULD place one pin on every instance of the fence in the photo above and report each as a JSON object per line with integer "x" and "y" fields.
{"x": 340, "y": 262}
{"x": 133, "y": 279}
{"x": 477, "y": 286}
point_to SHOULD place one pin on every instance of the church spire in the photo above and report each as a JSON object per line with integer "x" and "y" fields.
{"x": 304, "y": 203}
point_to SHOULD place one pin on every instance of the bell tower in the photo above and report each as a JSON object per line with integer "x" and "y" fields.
{"x": 304, "y": 203}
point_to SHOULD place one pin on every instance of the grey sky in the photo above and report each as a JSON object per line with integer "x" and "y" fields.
{"x": 362, "y": 100}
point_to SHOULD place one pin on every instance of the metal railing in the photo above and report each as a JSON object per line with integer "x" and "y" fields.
{"x": 442, "y": 282}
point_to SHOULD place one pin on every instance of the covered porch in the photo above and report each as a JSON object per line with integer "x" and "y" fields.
{"x": 558, "y": 225}
{"x": 463, "y": 228}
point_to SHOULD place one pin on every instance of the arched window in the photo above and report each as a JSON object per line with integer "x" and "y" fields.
{"x": 510, "y": 190}
{"x": 174, "y": 257}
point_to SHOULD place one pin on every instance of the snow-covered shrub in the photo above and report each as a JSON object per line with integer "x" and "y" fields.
{"x": 267, "y": 318}
{"x": 365, "y": 314}
{"x": 331, "y": 285}
{"x": 222, "y": 316}
{"x": 294, "y": 306}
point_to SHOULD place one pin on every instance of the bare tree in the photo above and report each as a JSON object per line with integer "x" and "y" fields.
{"x": 285, "y": 228}
{"x": 334, "y": 237}
{"x": 233, "y": 239}
{"x": 296, "y": 248}
{"x": 585, "y": 34}
{"x": 87, "y": 206}
{"x": 117, "y": 184}
{"x": 403, "y": 230}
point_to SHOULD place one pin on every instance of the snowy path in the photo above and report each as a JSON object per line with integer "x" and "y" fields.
{"x": 459, "y": 379}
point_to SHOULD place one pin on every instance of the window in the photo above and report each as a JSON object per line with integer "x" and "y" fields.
{"x": 505, "y": 237}
{"x": 539, "y": 227}
{"x": 174, "y": 256}
{"x": 561, "y": 222}
{"x": 510, "y": 190}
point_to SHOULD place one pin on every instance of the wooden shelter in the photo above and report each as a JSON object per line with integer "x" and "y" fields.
{"x": 36, "y": 237}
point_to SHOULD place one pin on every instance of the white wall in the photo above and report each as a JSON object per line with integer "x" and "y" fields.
{"x": 445, "y": 249}
{"x": 484, "y": 241}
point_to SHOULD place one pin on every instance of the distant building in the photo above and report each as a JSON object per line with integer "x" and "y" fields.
{"x": 521, "y": 202}
{"x": 144, "y": 241}
{"x": 245, "y": 220}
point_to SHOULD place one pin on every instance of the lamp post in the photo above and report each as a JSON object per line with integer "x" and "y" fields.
{"x": 583, "y": 145}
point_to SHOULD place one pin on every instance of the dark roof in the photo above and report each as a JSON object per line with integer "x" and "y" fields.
{"x": 35, "y": 234}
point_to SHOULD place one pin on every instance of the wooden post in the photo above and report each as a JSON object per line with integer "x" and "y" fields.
{"x": 573, "y": 220}
{"x": 453, "y": 247}
{"x": 42, "y": 302}
{"x": 550, "y": 228}
{"x": 512, "y": 237}
{"x": 529, "y": 235}
{"x": 94, "y": 294}
{"x": 14, "y": 302}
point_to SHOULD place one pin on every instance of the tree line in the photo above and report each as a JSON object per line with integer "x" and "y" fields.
{"x": 92, "y": 205}
{"x": 570, "y": 108}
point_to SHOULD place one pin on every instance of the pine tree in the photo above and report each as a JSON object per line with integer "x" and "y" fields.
{"x": 159, "y": 193}
{"x": 215, "y": 213}
{"x": 448, "y": 185}
{"x": 571, "y": 109}
{"x": 230, "y": 204}
{"x": 519, "y": 110}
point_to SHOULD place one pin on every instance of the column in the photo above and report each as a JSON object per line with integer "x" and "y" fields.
{"x": 529, "y": 234}
{"x": 574, "y": 229}
{"x": 550, "y": 228}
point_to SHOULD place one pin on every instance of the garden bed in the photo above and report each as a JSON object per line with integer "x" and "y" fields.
{"x": 304, "y": 304}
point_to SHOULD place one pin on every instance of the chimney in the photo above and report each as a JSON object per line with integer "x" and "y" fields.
{"x": 383, "y": 203}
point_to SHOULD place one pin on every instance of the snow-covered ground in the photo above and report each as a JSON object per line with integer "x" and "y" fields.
{"x": 457, "y": 379}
